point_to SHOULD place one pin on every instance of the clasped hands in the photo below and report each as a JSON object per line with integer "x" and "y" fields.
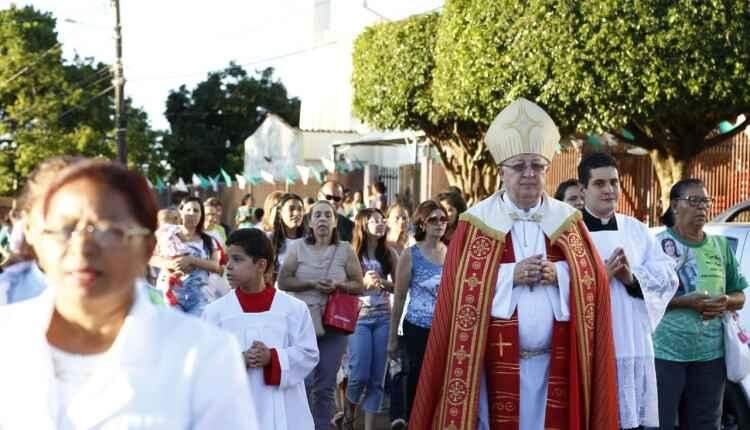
{"x": 258, "y": 355}
{"x": 372, "y": 280}
{"x": 708, "y": 307}
{"x": 535, "y": 270}
{"x": 618, "y": 267}
{"x": 324, "y": 286}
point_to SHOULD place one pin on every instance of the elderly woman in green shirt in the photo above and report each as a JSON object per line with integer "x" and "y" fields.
{"x": 689, "y": 341}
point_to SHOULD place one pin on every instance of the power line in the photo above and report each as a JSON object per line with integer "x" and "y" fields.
{"x": 92, "y": 81}
{"x": 87, "y": 102}
{"x": 28, "y": 67}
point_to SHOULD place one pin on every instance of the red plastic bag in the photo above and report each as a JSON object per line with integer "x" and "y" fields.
{"x": 223, "y": 257}
{"x": 341, "y": 312}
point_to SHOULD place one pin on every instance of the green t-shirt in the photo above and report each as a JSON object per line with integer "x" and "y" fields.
{"x": 709, "y": 267}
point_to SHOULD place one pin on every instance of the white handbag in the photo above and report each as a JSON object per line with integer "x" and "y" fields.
{"x": 736, "y": 348}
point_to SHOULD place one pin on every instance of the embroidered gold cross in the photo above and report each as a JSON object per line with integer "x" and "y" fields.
{"x": 501, "y": 345}
{"x": 461, "y": 355}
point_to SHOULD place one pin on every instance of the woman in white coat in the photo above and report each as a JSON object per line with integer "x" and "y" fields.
{"x": 274, "y": 330}
{"x": 93, "y": 352}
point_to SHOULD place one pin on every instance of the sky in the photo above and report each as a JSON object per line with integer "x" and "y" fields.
{"x": 167, "y": 43}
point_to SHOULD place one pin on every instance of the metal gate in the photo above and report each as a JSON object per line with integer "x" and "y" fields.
{"x": 389, "y": 176}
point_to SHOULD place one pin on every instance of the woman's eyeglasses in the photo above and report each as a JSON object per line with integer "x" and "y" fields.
{"x": 103, "y": 234}
{"x": 437, "y": 220}
{"x": 696, "y": 201}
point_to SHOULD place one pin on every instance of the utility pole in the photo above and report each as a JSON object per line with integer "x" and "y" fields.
{"x": 119, "y": 84}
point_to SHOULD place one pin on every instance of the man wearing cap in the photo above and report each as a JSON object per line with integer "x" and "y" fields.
{"x": 522, "y": 333}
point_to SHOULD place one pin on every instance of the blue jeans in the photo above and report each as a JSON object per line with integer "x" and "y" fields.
{"x": 368, "y": 349}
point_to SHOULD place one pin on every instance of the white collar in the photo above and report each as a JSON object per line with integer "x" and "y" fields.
{"x": 517, "y": 214}
{"x": 604, "y": 221}
{"x": 490, "y": 216}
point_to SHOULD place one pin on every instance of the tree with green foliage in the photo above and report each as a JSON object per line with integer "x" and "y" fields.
{"x": 209, "y": 125}
{"x": 393, "y": 89}
{"x": 667, "y": 72}
{"x": 51, "y": 107}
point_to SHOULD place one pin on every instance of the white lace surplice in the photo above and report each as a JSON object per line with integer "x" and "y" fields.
{"x": 634, "y": 319}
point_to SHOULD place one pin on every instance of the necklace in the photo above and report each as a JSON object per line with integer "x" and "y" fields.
{"x": 525, "y": 245}
{"x": 536, "y": 217}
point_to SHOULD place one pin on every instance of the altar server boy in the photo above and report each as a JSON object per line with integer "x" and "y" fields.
{"x": 274, "y": 330}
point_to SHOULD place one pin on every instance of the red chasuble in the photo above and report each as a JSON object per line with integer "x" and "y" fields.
{"x": 261, "y": 302}
{"x": 464, "y": 339}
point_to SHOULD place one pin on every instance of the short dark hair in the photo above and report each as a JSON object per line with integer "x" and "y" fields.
{"x": 563, "y": 187}
{"x": 421, "y": 214}
{"x": 379, "y": 187}
{"x": 677, "y": 191}
{"x": 455, "y": 189}
{"x": 258, "y": 213}
{"x": 131, "y": 185}
{"x": 255, "y": 243}
{"x": 591, "y": 162}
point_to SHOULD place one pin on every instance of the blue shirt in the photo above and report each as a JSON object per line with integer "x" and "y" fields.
{"x": 423, "y": 289}
{"x": 23, "y": 280}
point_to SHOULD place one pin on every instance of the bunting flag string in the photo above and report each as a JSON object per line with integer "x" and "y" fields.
{"x": 241, "y": 181}
{"x": 268, "y": 177}
{"x": 300, "y": 172}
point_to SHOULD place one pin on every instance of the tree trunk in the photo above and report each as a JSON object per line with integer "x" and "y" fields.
{"x": 476, "y": 175}
{"x": 669, "y": 169}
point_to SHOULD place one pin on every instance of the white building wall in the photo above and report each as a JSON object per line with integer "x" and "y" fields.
{"x": 327, "y": 97}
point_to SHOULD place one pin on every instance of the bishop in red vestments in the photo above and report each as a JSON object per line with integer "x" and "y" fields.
{"x": 522, "y": 332}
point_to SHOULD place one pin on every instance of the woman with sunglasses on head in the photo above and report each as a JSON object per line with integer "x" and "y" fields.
{"x": 418, "y": 272}
{"x": 689, "y": 343}
{"x": 192, "y": 255}
{"x": 367, "y": 346}
{"x": 314, "y": 268}
{"x": 93, "y": 351}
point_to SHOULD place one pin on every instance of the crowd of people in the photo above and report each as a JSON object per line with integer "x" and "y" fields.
{"x": 521, "y": 312}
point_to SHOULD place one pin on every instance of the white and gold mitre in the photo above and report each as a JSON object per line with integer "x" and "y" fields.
{"x": 522, "y": 128}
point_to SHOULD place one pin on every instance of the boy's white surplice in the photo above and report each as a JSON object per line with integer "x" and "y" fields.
{"x": 165, "y": 371}
{"x": 634, "y": 319}
{"x": 288, "y": 328}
